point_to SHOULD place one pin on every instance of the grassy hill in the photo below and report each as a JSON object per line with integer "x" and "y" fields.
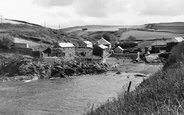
{"x": 145, "y": 35}
{"x": 40, "y": 34}
{"x": 93, "y": 28}
{"x": 156, "y": 30}
{"x": 173, "y": 27}
{"x": 30, "y": 31}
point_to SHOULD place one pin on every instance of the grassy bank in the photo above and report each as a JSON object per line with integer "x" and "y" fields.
{"x": 161, "y": 94}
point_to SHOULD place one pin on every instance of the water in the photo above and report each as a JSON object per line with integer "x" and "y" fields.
{"x": 68, "y": 96}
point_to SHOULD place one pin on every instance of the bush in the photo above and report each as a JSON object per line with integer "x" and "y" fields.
{"x": 131, "y": 38}
{"x": 6, "y": 42}
{"x": 176, "y": 56}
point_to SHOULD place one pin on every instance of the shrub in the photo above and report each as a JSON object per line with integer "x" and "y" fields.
{"x": 131, "y": 38}
{"x": 176, "y": 56}
{"x": 6, "y": 42}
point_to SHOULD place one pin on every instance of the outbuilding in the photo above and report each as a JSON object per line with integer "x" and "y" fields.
{"x": 88, "y": 44}
{"x": 100, "y": 50}
{"x": 119, "y": 50}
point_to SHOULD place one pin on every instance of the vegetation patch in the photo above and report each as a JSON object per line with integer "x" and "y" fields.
{"x": 160, "y": 94}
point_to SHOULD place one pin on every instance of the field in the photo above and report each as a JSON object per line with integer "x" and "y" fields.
{"x": 31, "y": 43}
{"x": 174, "y": 27}
{"x": 98, "y": 28}
{"x": 145, "y": 35}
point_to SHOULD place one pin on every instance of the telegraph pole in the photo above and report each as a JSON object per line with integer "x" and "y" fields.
{"x": 1, "y": 19}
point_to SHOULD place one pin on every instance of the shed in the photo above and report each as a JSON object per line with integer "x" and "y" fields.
{"x": 104, "y": 42}
{"x": 119, "y": 49}
{"x": 100, "y": 50}
{"x": 21, "y": 45}
{"x": 88, "y": 44}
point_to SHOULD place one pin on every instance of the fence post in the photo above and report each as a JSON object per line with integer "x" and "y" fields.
{"x": 129, "y": 86}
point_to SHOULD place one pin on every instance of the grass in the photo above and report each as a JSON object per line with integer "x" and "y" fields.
{"x": 144, "y": 35}
{"x": 160, "y": 94}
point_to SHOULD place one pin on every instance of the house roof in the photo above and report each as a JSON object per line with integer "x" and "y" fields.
{"x": 48, "y": 50}
{"x": 103, "y": 41}
{"x": 145, "y": 44}
{"x": 160, "y": 42}
{"x": 103, "y": 46}
{"x": 78, "y": 43}
{"x": 64, "y": 45}
{"x": 119, "y": 47}
{"x": 87, "y": 42}
{"x": 177, "y": 39}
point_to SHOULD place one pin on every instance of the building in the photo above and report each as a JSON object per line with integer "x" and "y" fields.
{"x": 78, "y": 43}
{"x": 177, "y": 39}
{"x": 102, "y": 41}
{"x": 64, "y": 50}
{"x": 88, "y": 44}
{"x": 21, "y": 45}
{"x": 118, "y": 50}
{"x": 153, "y": 46}
{"x": 100, "y": 50}
{"x": 145, "y": 46}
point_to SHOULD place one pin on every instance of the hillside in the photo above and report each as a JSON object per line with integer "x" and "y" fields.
{"x": 173, "y": 27}
{"x": 94, "y": 28}
{"x": 30, "y": 31}
{"x": 39, "y": 34}
{"x": 145, "y": 35}
{"x": 156, "y": 30}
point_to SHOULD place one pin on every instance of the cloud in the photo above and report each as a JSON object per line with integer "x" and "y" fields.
{"x": 50, "y": 3}
{"x": 91, "y": 8}
{"x": 161, "y": 7}
{"x": 85, "y": 12}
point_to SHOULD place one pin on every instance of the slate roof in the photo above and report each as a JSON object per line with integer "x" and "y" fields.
{"x": 103, "y": 41}
{"x": 103, "y": 46}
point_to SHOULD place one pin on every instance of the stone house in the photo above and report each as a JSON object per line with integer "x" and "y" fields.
{"x": 100, "y": 50}
{"x": 104, "y": 42}
{"x": 64, "y": 50}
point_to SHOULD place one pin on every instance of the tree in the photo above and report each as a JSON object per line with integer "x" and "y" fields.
{"x": 131, "y": 38}
{"x": 107, "y": 37}
{"x": 6, "y": 42}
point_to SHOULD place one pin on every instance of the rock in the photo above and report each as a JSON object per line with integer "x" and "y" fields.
{"x": 6, "y": 79}
{"x": 118, "y": 72}
{"x": 140, "y": 75}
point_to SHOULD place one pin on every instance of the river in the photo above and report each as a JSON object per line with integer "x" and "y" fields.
{"x": 67, "y": 96}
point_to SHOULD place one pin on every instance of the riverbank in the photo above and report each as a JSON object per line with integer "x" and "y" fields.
{"x": 68, "y": 96}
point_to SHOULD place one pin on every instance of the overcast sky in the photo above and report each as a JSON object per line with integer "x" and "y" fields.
{"x": 68, "y": 13}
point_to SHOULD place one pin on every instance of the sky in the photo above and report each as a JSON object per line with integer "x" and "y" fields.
{"x": 68, "y": 13}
